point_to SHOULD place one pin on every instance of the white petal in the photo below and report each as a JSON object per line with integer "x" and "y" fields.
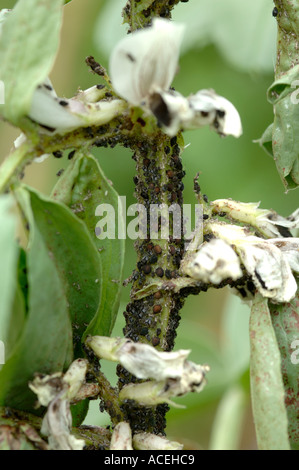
{"x": 217, "y": 111}
{"x": 269, "y": 262}
{"x": 46, "y": 387}
{"x": 20, "y": 140}
{"x": 51, "y": 112}
{"x": 230, "y": 124}
{"x": 214, "y": 262}
{"x": 290, "y": 249}
{"x": 146, "y": 362}
{"x": 294, "y": 219}
{"x": 269, "y": 269}
{"x": 230, "y": 233}
{"x": 146, "y": 60}
{"x": 42, "y": 158}
{"x": 266, "y": 221}
{"x": 60, "y": 115}
{"x": 171, "y": 109}
{"x": 75, "y": 376}
{"x": 149, "y": 393}
{"x": 146, "y": 441}
{"x": 142, "y": 360}
{"x": 57, "y": 424}
{"x": 106, "y": 347}
{"x": 121, "y": 437}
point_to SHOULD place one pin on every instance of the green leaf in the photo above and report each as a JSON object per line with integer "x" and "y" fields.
{"x": 83, "y": 187}
{"x": 235, "y": 348}
{"x": 17, "y": 322}
{"x": 285, "y": 320}
{"x": 284, "y": 85}
{"x": 229, "y": 420}
{"x": 45, "y": 343}
{"x": 266, "y": 140}
{"x": 28, "y": 46}
{"x": 267, "y": 389}
{"x": 77, "y": 262}
{"x": 8, "y": 272}
{"x": 281, "y": 139}
{"x": 63, "y": 268}
{"x": 286, "y": 141}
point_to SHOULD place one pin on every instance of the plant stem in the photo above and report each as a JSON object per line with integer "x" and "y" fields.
{"x": 287, "y": 38}
{"x": 155, "y": 318}
{"x": 14, "y": 164}
{"x": 109, "y": 396}
{"x": 139, "y": 14}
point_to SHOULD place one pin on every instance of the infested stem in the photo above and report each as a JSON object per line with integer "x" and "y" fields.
{"x": 154, "y": 319}
{"x": 138, "y": 13}
{"x": 287, "y": 38}
{"x": 109, "y": 397}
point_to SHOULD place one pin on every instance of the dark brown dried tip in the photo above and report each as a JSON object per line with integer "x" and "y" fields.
{"x": 195, "y": 184}
{"x": 95, "y": 66}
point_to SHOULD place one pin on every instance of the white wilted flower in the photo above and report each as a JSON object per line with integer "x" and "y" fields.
{"x": 268, "y": 222}
{"x": 290, "y": 249}
{"x": 214, "y": 262}
{"x": 294, "y": 218}
{"x": 147, "y": 441}
{"x": 151, "y": 393}
{"x": 142, "y": 68}
{"x": 57, "y": 424}
{"x": 75, "y": 377}
{"x": 141, "y": 360}
{"x": 47, "y": 387}
{"x": 59, "y": 115}
{"x": 121, "y": 437}
{"x": 269, "y": 262}
{"x": 290, "y": 223}
{"x": 173, "y": 374}
{"x": 55, "y": 391}
{"x": 216, "y": 111}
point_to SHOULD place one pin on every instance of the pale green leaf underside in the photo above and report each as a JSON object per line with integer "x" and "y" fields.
{"x": 267, "y": 389}
{"x": 28, "y": 47}
{"x": 285, "y": 320}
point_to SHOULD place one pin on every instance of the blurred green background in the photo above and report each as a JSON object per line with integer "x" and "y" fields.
{"x": 229, "y": 46}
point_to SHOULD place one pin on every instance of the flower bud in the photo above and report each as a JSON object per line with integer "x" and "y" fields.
{"x": 106, "y": 347}
{"x": 75, "y": 377}
{"x": 147, "y": 441}
{"x": 121, "y": 437}
{"x": 152, "y": 393}
{"x": 213, "y": 262}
